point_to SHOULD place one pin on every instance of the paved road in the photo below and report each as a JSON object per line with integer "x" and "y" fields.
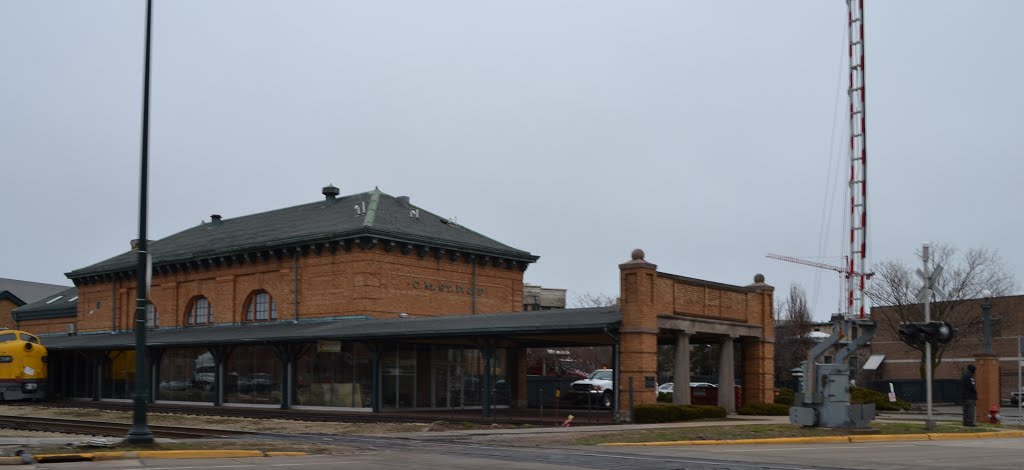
{"x": 995, "y": 454}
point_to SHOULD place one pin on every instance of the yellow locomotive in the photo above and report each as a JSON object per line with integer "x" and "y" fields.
{"x": 22, "y": 366}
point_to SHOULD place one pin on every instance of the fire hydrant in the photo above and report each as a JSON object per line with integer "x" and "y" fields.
{"x": 993, "y": 414}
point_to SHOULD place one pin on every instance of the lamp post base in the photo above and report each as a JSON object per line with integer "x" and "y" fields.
{"x": 140, "y": 436}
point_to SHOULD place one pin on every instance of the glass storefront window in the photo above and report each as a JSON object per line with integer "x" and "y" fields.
{"x": 81, "y": 376}
{"x": 253, "y": 374}
{"x": 440, "y": 377}
{"x": 334, "y": 375}
{"x": 398, "y": 377}
{"x": 119, "y": 374}
{"x": 186, "y": 374}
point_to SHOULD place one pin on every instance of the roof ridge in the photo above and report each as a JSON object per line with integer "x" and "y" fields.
{"x": 371, "y": 212}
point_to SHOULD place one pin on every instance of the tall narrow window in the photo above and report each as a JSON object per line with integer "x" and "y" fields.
{"x": 260, "y": 307}
{"x": 200, "y": 312}
{"x": 152, "y": 317}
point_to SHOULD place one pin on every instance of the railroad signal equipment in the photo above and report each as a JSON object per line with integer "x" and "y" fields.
{"x": 921, "y": 333}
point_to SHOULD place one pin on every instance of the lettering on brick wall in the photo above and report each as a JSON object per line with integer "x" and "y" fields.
{"x": 444, "y": 288}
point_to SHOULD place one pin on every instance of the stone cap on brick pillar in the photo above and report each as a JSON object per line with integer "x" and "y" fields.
{"x": 759, "y": 283}
{"x": 638, "y": 261}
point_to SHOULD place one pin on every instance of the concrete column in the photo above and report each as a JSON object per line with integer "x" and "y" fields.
{"x": 681, "y": 370}
{"x": 727, "y": 376}
{"x": 987, "y": 379}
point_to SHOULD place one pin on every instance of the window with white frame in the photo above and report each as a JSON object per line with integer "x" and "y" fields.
{"x": 200, "y": 312}
{"x": 260, "y": 307}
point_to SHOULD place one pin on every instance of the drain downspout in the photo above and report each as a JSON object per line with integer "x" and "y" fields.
{"x": 295, "y": 279}
{"x": 113, "y": 305}
{"x": 474, "y": 285}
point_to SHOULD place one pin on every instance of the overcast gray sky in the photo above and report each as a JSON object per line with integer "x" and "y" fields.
{"x": 705, "y": 133}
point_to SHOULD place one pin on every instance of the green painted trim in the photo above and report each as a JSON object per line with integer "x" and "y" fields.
{"x": 371, "y": 211}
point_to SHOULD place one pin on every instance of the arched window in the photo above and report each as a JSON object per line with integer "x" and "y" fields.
{"x": 200, "y": 312}
{"x": 260, "y": 307}
{"x": 152, "y": 316}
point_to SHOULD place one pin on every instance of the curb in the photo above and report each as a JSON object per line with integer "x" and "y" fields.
{"x": 810, "y": 440}
{"x": 154, "y": 454}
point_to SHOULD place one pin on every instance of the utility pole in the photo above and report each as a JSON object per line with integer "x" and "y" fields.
{"x": 928, "y": 290}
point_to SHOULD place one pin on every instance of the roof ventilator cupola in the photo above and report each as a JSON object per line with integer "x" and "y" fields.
{"x": 331, "y": 193}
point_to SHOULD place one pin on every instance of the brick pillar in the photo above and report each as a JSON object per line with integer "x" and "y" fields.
{"x": 727, "y": 375}
{"x": 638, "y": 338}
{"x": 681, "y": 370}
{"x": 759, "y": 354}
{"x": 758, "y": 371}
{"x": 987, "y": 378}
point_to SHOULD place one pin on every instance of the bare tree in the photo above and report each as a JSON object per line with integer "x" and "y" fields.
{"x": 589, "y": 300}
{"x": 894, "y": 289}
{"x": 793, "y": 323}
{"x": 570, "y": 360}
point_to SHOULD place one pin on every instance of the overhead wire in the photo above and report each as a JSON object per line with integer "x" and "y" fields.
{"x": 832, "y": 174}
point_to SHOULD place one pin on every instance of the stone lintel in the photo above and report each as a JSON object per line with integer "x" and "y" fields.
{"x": 637, "y": 329}
{"x": 707, "y": 326}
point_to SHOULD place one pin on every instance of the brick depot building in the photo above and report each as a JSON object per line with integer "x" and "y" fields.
{"x": 370, "y": 302}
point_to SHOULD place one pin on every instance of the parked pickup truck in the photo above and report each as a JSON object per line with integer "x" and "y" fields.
{"x": 597, "y": 389}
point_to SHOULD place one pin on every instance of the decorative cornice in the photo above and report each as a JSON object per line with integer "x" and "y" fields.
{"x": 318, "y": 248}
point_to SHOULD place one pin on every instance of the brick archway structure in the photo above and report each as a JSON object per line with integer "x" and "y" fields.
{"x": 655, "y": 303}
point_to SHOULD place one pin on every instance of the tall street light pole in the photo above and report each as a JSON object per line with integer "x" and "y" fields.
{"x": 140, "y": 433}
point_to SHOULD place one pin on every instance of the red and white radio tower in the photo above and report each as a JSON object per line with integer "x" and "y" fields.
{"x": 858, "y": 164}
{"x": 855, "y": 268}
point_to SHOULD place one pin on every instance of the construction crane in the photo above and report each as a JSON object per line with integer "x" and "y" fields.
{"x": 844, "y": 269}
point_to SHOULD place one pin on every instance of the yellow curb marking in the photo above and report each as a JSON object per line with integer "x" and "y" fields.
{"x": 197, "y": 454}
{"x": 108, "y": 455}
{"x": 889, "y": 437}
{"x": 52, "y": 457}
{"x": 808, "y": 440}
{"x": 285, "y": 454}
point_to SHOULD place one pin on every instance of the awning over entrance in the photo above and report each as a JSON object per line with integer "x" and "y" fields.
{"x": 874, "y": 362}
{"x": 551, "y": 327}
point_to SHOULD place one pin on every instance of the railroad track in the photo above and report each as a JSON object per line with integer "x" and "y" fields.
{"x": 583, "y": 416}
{"x": 99, "y": 428}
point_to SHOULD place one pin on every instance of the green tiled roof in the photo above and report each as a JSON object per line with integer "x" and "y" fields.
{"x": 57, "y": 305}
{"x": 521, "y": 326}
{"x": 378, "y": 216}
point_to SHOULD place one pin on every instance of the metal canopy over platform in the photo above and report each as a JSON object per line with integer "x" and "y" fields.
{"x": 588, "y": 326}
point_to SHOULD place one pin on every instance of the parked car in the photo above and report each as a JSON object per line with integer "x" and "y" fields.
{"x": 1015, "y": 397}
{"x": 254, "y": 382}
{"x": 597, "y": 389}
{"x": 667, "y": 387}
